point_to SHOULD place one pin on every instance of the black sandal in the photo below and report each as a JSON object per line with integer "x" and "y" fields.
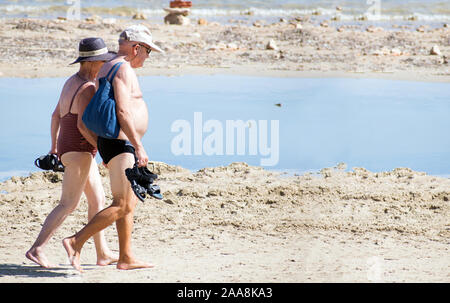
{"x": 141, "y": 180}
{"x": 49, "y": 162}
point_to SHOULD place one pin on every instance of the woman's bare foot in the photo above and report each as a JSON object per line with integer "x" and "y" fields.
{"x": 134, "y": 264}
{"x": 36, "y": 255}
{"x": 106, "y": 259}
{"x": 73, "y": 254}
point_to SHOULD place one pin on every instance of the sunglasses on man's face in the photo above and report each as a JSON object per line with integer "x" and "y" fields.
{"x": 147, "y": 49}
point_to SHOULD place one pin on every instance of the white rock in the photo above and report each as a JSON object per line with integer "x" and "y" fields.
{"x": 421, "y": 29}
{"x": 271, "y": 45}
{"x": 176, "y": 19}
{"x": 435, "y": 51}
{"x": 109, "y": 21}
{"x": 232, "y": 46}
{"x": 139, "y": 16}
{"x": 396, "y": 52}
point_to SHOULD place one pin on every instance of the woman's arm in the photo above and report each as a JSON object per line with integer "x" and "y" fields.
{"x": 54, "y": 129}
{"x": 84, "y": 98}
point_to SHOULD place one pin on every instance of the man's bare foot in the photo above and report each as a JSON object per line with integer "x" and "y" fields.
{"x": 36, "y": 255}
{"x": 74, "y": 255}
{"x": 134, "y": 264}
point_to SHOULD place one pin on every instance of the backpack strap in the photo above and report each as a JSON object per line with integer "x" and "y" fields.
{"x": 113, "y": 70}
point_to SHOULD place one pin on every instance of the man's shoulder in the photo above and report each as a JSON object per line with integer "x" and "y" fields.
{"x": 125, "y": 72}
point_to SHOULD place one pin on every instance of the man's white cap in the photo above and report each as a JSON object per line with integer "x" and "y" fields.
{"x": 140, "y": 33}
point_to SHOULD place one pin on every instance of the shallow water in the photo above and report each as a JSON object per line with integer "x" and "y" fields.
{"x": 387, "y": 10}
{"x": 371, "y": 123}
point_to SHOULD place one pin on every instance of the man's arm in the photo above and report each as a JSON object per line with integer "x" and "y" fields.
{"x": 122, "y": 93}
{"x": 83, "y": 101}
{"x": 54, "y": 129}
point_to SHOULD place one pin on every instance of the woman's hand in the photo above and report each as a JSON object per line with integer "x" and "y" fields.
{"x": 53, "y": 150}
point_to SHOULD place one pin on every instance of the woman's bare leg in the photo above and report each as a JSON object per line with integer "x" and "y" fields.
{"x": 77, "y": 166}
{"x": 95, "y": 196}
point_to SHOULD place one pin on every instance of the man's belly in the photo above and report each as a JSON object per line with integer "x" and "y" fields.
{"x": 139, "y": 115}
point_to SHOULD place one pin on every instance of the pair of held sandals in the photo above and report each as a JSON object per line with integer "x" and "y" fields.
{"x": 141, "y": 178}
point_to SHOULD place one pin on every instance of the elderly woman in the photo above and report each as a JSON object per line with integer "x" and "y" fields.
{"x": 75, "y": 145}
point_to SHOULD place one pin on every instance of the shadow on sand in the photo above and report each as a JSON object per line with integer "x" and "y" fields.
{"x": 31, "y": 271}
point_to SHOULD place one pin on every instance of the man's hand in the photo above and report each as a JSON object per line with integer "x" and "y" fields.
{"x": 142, "y": 158}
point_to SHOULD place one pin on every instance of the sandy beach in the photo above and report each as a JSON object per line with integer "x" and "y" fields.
{"x": 244, "y": 224}
{"x": 240, "y": 223}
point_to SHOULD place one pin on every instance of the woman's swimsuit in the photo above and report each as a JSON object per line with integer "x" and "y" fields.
{"x": 70, "y": 139}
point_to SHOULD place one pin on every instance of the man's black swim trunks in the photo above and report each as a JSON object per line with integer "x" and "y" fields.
{"x": 109, "y": 148}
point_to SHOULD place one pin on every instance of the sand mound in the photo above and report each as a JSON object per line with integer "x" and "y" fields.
{"x": 328, "y": 216}
{"x": 252, "y": 198}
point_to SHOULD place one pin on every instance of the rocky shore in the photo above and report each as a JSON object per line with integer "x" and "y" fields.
{"x": 290, "y": 47}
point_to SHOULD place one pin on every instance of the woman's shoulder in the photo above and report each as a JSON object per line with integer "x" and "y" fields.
{"x": 87, "y": 90}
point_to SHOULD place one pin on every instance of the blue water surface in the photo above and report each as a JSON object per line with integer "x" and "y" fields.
{"x": 371, "y": 123}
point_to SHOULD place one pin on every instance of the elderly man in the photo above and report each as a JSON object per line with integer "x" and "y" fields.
{"x": 135, "y": 45}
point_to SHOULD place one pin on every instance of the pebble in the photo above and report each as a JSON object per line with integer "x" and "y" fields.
{"x": 109, "y": 21}
{"x": 421, "y": 29}
{"x": 435, "y": 51}
{"x": 396, "y": 52}
{"x": 257, "y": 24}
{"x": 93, "y": 19}
{"x": 176, "y": 19}
{"x": 202, "y": 21}
{"x": 140, "y": 16}
{"x": 271, "y": 45}
{"x": 232, "y": 46}
{"x": 374, "y": 29}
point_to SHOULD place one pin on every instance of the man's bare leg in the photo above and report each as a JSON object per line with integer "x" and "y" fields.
{"x": 121, "y": 188}
{"x": 77, "y": 167}
{"x": 120, "y": 211}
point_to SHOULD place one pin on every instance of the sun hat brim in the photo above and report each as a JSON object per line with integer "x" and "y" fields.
{"x": 154, "y": 47}
{"x": 104, "y": 57}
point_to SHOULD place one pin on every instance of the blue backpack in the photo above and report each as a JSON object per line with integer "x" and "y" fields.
{"x": 100, "y": 114}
